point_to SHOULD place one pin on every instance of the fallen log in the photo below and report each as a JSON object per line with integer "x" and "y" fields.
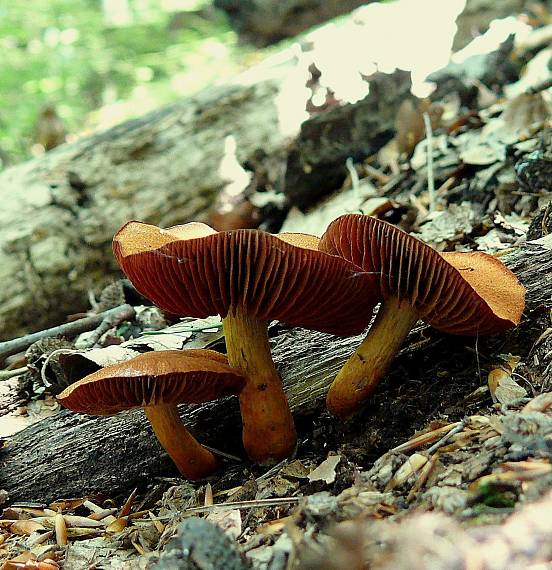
{"x": 263, "y": 22}
{"x": 71, "y": 454}
{"x": 60, "y": 211}
{"x": 316, "y": 162}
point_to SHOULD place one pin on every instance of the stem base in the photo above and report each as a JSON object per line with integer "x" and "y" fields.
{"x": 191, "y": 458}
{"x": 268, "y": 428}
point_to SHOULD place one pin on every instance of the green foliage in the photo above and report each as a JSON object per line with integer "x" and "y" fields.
{"x": 74, "y": 54}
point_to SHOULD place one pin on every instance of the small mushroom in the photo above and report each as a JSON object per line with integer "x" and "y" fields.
{"x": 157, "y": 382}
{"x": 459, "y": 293}
{"x": 249, "y": 277}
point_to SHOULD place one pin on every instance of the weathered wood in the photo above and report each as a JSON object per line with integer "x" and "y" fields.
{"x": 71, "y": 454}
{"x": 478, "y": 14}
{"x": 316, "y": 163}
{"x": 60, "y": 211}
{"x": 263, "y": 22}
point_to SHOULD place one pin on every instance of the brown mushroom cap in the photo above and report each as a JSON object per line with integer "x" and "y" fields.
{"x": 195, "y": 271}
{"x": 459, "y": 293}
{"x": 154, "y": 378}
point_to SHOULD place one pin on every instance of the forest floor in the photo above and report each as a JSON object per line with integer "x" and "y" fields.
{"x": 449, "y": 464}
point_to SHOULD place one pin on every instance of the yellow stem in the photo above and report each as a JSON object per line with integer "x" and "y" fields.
{"x": 268, "y": 428}
{"x": 191, "y": 458}
{"x": 362, "y": 373}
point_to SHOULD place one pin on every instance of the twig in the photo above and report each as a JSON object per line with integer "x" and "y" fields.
{"x": 457, "y": 429}
{"x": 375, "y": 173}
{"x": 355, "y": 182}
{"x": 108, "y": 322}
{"x": 445, "y": 186}
{"x": 243, "y": 505}
{"x": 223, "y": 453}
{"x": 424, "y": 438}
{"x": 271, "y": 471}
{"x": 7, "y": 374}
{"x": 393, "y": 182}
{"x": 74, "y": 328}
{"x": 430, "y": 179}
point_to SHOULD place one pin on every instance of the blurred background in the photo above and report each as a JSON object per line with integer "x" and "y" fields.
{"x": 72, "y": 66}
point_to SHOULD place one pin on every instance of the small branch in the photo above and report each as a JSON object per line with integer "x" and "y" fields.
{"x": 108, "y": 322}
{"x": 377, "y": 174}
{"x": 430, "y": 179}
{"x": 456, "y": 429}
{"x": 255, "y": 503}
{"x": 71, "y": 329}
{"x": 355, "y": 182}
{"x": 7, "y": 374}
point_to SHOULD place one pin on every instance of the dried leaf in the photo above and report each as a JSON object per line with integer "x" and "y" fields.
{"x": 294, "y": 470}
{"x": 504, "y": 389}
{"x": 117, "y": 526}
{"x": 61, "y": 530}
{"x": 26, "y": 527}
{"x": 229, "y": 521}
{"x": 83, "y": 522}
{"x": 208, "y": 500}
{"x": 449, "y": 225}
{"x": 524, "y": 114}
{"x": 326, "y": 470}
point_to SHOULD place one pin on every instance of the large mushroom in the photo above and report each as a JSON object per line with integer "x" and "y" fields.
{"x": 249, "y": 277}
{"x": 459, "y": 293}
{"x": 157, "y": 382}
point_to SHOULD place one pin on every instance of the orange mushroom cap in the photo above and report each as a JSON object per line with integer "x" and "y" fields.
{"x": 154, "y": 378}
{"x": 195, "y": 271}
{"x": 459, "y": 293}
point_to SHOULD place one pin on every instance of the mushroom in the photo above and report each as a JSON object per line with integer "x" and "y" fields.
{"x": 157, "y": 382}
{"x": 248, "y": 277}
{"x": 459, "y": 293}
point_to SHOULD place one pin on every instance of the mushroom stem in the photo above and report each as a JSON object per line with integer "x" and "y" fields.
{"x": 362, "y": 373}
{"x": 191, "y": 458}
{"x": 268, "y": 428}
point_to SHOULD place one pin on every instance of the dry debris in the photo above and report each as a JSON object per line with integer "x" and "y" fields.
{"x": 477, "y": 469}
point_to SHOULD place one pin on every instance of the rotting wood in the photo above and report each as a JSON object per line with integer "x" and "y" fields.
{"x": 71, "y": 454}
{"x": 263, "y": 23}
{"x": 60, "y": 211}
{"x": 316, "y": 163}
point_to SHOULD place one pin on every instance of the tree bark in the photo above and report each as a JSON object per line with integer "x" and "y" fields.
{"x": 478, "y": 14}
{"x": 263, "y": 22}
{"x": 73, "y": 455}
{"x": 60, "y": 211}
{"x": 316, "y": 162}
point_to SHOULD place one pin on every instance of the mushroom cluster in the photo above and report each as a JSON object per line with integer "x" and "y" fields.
{"x": 250, "y": 277}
